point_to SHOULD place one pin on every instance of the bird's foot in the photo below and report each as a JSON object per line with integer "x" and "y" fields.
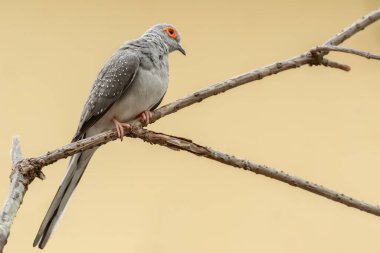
{"x": 120, "y": 128}
{"x": 145, "y": 117}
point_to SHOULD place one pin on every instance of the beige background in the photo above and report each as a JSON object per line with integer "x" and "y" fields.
{"x": 321, "y": 124}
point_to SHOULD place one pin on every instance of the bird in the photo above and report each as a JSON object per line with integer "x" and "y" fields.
{"x": 130, "y": 85}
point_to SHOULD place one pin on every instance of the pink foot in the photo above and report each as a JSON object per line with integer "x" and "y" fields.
{"x": 145, "y": 117}
{"x": 120, "y": 128}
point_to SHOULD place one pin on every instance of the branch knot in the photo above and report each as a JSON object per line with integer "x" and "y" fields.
{"x": 30, "y": 168}
{"x": 316, "y": 57}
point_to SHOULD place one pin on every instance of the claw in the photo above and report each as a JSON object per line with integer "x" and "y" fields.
{"x": 145, "y": 117}
{"x": 120, "y": 128}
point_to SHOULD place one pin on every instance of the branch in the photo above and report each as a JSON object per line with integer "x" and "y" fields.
{"x": 333, "y": 64}
{"x": 179, "y": 143}
{"x": 18, "y": 188}
{"x": 356, "y": 27}
{"x": 328, "y": 48}
{"x": 26, "y": 170}
{"x": 257, "y": 74}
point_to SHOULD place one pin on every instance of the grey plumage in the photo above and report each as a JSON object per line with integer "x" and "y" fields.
{"x": 133, "y": 80}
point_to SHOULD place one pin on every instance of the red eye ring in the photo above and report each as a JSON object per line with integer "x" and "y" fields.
{"x": 171, "y": 32}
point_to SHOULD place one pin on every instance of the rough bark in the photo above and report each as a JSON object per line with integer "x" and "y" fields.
{"x": 19, "y": 185}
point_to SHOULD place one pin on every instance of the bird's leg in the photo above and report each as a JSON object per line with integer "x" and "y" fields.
{"x": 120, "y": 128}
{"x": 145, "y": 117}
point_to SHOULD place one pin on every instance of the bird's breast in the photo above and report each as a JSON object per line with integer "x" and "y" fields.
{"x": 145, "y": 91}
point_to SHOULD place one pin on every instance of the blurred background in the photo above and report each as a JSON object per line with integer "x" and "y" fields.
{"x": 318, "y": 123}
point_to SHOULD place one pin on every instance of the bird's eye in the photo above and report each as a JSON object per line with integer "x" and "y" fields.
{"x": 171, "y": 32}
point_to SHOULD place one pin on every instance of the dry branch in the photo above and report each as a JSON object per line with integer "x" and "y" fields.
{"x": 354, "y": 28}
{"x": 328, "y": 48}
{"x": 179, "y": 143}
{"x": 19, "y": 185}
{"x": 26, "y": 170}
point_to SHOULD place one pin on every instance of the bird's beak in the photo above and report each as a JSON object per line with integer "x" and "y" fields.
{"x": 180, "y": 48}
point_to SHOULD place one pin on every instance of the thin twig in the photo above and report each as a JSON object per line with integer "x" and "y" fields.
{"x": 334, "y": 64}
{"x": 179, "y": 143}
{"x": 328, "y": 48}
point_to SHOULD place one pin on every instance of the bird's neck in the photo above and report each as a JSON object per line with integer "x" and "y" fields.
{"x": 156, "y": 41}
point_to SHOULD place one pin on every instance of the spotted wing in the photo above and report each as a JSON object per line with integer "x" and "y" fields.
{"x": 111, "y": 83}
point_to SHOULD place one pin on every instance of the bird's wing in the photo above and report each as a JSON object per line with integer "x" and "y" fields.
{"x": 111, "y": 83}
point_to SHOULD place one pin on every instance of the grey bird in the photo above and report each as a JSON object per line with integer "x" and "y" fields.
{"x": 132, "y": 83}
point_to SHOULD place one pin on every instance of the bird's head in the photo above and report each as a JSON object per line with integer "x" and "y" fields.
{"x": 169, "y": 35}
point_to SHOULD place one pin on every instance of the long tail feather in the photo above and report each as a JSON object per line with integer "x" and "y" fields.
{"x": 76, "y": 168}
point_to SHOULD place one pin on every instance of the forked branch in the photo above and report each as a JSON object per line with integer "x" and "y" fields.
{"x": 26, "y": 170}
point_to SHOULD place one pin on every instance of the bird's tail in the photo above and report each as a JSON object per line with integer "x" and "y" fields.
{"x": 76, "y": 168}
